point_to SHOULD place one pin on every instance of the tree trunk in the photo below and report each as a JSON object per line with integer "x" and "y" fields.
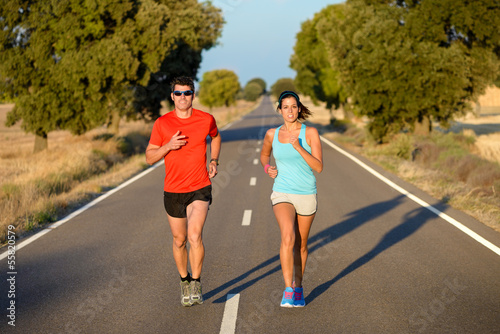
{"x": 41, "y": 142}
{"x": 423, "y": 127}
{"x": 348, "y": 114}
{"x": 114, "y": 124}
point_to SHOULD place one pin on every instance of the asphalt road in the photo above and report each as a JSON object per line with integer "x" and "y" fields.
{"x": 379, "y": 262}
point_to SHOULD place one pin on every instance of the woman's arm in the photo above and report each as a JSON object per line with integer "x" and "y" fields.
{"x": 265, "y": 154}
{"x": 315, "y": 158}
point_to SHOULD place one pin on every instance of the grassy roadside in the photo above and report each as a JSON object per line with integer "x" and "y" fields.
{"x": 38, "y": 189}
{"x": 444, "y": 166}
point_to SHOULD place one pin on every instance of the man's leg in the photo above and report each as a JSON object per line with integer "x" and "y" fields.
{"x": 178, "y": 226}
{"x": 196, "y": 215}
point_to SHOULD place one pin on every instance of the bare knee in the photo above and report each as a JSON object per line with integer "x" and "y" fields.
{"x": 180, "y": 242}
{"x": 288, "y": 240}
{"x": 194, "y": 239}
{"x": 300, "y": 245}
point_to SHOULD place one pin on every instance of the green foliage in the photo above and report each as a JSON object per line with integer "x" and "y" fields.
{"x": 315, "y": 75}
{"x": 219, "y": 88}
{"x": 403, "y": 62}
{"x": 260, "y": 82}
{"x": 283, "y": 84}
{"x": 252, "y": 91}
{"x": 72, "y": 64}
{"x": 198, "y": 26}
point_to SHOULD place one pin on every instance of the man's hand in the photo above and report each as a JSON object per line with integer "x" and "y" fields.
{"x": 176, "y": 142}
{"x": 212, "y": 169}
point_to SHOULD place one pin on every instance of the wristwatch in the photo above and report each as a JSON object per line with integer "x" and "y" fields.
{"x": 216, "y": 161}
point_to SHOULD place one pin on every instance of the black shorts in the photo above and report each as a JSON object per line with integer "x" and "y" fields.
{"x": 176, "y": 203}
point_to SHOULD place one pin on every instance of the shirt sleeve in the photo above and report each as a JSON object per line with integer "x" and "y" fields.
{"x": 156, "y": 137}
{"x": 213, "y": 127}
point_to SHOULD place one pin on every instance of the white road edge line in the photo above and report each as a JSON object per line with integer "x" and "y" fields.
{"x": 416, "y": 199}
{"x": 253, "y": 181}
{"x": 228, "y": 325}
{"x": 247, "y": 216}
{"x": 82, "y": 209}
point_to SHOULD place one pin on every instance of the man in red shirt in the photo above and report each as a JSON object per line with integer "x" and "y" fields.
{"x": 180, "y": 138}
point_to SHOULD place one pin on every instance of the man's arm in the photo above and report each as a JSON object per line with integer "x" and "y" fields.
{"x": 214, "y": 154}
{"x": 155, "y": 153}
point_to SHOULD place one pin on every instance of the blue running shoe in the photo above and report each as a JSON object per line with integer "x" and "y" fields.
{"x": 287, "y": 300}
{"x": 298, "y": 298}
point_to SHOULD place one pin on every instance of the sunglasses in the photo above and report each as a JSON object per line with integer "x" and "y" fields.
{"x": 185, "y": 92}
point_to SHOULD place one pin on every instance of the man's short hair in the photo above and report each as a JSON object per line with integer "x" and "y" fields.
{"x": 182, "y": 81}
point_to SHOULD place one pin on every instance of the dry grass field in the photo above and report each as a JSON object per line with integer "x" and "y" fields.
{"x": 36, "y": 189}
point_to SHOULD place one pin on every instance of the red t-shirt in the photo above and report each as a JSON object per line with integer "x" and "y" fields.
{"x": 185, "y": 168}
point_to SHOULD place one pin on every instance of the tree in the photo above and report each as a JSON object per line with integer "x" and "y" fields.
{"x": 283, "y": 84}
{"x": 76, "y": 65}
{"x": 252, "y": 91}
{"x": 260, "y": 82}
{"x": 219, "y": 88}
{"x": 405, "y": 63}
{"x": 315, "y": 75}
{"x": 200, "y": 26}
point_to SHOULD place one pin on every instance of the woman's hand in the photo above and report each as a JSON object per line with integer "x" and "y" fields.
{"x": 294, "y": 140}
{"x": 272, "y": 171}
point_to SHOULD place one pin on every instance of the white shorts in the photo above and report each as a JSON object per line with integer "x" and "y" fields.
{"x": 305, "y": 205}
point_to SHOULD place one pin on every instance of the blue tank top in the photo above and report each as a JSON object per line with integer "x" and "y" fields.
{"x": 294, "y": 174}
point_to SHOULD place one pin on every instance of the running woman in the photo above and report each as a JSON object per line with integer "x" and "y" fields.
{"x": 297, "y": 152}
{"x": 180, "y": 138}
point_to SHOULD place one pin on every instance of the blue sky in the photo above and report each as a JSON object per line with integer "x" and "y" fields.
{"x": 258, "y": 37}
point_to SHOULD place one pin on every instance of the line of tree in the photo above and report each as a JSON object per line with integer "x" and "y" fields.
{"x": 402, "y": 63}
{"x": 76, "y": 65}
{"x": 283, "y": 84}
{"x": 254, "y": 89}
{"x": 316, "y": 77}
{"x": 219, "y": 88}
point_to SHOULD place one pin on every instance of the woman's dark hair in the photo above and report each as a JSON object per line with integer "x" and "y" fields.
{"x": 304, "y": 112}
{"x": 182, "y": 81}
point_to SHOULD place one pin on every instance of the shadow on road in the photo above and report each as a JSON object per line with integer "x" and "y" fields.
{"x": 412, "y": 221}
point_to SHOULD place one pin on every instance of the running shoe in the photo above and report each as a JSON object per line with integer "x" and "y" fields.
{"x": 298, "y": 298}
{"x": 185, "y": 294}
{"x": 196, "y": 296}
{"x": 287, "y": 300}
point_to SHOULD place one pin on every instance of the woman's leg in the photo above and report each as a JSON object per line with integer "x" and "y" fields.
{"x": 302, "y": 228}
{"x": 285, "y": 215}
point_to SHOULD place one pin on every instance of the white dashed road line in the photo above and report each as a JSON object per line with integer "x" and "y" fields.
{"x": 253, "y": 181}
{"x": 228, "y": 325}
{"x": 247, "y": 216}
